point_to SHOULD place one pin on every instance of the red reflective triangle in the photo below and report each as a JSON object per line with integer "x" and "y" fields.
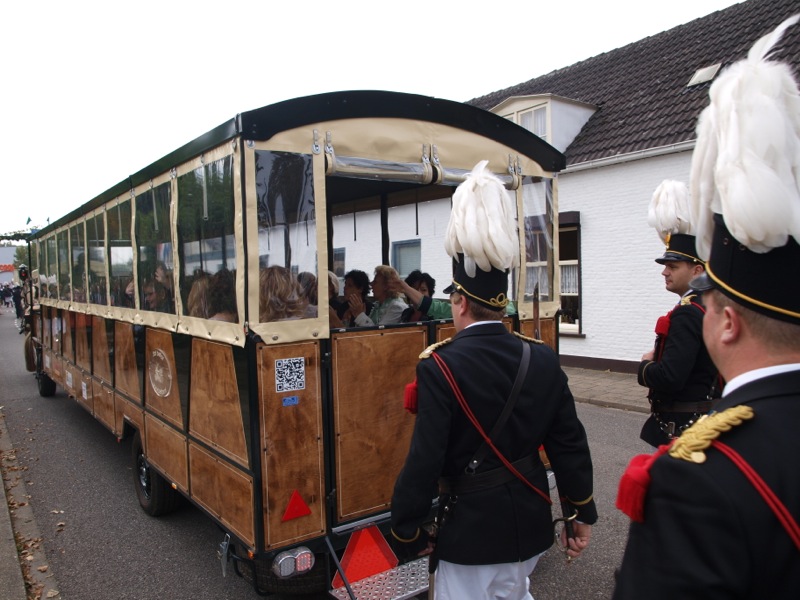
{"x": 296, "y": 508}
{"x": 367, "y": 553}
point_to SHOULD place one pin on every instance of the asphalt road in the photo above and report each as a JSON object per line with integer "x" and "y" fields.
{"x": 99, "y": 544}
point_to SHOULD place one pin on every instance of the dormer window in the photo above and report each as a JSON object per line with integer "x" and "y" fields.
{"x": 535, "y": 121}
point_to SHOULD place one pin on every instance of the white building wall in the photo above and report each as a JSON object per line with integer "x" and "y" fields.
{"x": 622, "y": 291}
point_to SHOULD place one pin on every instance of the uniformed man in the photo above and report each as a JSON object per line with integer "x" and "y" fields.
{"x": 681, "y": 377}
{"x": 494, "y": 521}
{"x": 716, "y": 514}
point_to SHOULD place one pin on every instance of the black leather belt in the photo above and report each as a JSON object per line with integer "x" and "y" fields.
{"x": 461, "y": 484}
{"x": 682, "y": 407}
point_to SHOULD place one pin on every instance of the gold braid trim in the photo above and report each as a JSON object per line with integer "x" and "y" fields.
{"x": 528, "y": 339}
{"x": 687, "y": 299}
{"x": 695, "y": 440}
{"x": 430, "y": 349}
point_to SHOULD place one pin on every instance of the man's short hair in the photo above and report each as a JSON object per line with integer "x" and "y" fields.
{"x": 771, "y": 332}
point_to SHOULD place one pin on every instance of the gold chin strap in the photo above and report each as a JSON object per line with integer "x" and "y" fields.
{"x": 499, "y": 301}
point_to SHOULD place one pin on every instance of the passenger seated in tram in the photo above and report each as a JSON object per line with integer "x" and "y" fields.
{"x": 308, "y": 291}
{"x": 355, "y": 282}
{"x": 156, "y": 297}
{"x": 197, "y": 300}
{"x": 222, "y": 297}
{"x": 279, "y": 295}
{"x": 388, "y": 306}
{"x": 424, "y": 307}
{"x": 425, "y": 285}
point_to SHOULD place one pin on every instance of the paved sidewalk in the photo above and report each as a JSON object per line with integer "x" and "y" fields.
{"x": 605, "y": 388}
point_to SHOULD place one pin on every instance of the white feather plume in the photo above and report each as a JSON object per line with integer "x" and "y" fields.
{"x": 669, "y": 210}
{"x": 482, "y": 223}
{"x": 746, "y": 164}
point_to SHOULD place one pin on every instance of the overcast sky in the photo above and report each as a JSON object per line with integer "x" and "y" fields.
{"x": 95, "y": 91}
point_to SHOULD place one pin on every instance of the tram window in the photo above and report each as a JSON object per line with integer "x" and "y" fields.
{"x": 52, "y": 269}
{"x": 206, "y": 242}
{"x": 95, "y": 244}
{"x": 154, "y": 239}
{"x": 78, "y": 254}
{"x": 287, "y": 234}
{"x": 64, "y": 290}
{"x": 120, "y": 254}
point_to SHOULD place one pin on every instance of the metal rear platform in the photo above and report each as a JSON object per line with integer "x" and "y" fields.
{"x": 404, "y": 581}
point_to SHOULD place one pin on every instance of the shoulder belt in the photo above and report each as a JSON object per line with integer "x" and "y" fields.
{"x": 705, "y": 432}
{"x": 433, "y": 347}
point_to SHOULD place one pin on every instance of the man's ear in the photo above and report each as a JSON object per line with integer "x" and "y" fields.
{"x": 731, "y": 325}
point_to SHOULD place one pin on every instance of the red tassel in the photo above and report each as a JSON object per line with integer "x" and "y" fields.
{"x": 634, "y": 483}
{"x": 410, "y": 397}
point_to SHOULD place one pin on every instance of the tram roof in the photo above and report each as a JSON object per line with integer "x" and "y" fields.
{"x": 263, "y": 123}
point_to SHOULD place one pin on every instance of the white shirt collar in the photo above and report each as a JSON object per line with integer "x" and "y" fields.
{"x": 756, "y": 374}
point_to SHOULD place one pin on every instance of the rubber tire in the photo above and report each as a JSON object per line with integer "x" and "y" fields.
{"x": 47, "y": 387}
{"x": 156, "y": 496}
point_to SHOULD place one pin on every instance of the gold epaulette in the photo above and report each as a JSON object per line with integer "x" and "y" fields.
{"x": 694, "y": 441}
{"x": 528, "y": 339}
{"x": 429, "y": 350}
{"x": 687, "y": 299}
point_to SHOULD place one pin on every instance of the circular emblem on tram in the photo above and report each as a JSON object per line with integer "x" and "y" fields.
{"x": 160, "y": 373}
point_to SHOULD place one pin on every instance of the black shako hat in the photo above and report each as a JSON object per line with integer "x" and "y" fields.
{"x": 764, "y": 282}
{"x": 680, "y": 246}
{"x": 487, "y": 288}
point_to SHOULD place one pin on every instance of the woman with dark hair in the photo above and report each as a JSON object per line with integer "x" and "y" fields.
{"x": 355, "y": 282}
{"x": 222, "y": 297}
{"x": 425, "y": 285}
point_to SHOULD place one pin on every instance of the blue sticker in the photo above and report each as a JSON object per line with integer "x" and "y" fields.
{"x": 291, "y": 401}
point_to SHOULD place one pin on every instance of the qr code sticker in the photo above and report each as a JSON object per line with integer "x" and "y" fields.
{"x": 290, "y": 374}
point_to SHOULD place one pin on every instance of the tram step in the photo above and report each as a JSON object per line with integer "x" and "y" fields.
{"x": 403, "y": 581}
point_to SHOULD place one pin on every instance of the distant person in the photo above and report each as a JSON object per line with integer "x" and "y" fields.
{"x": 197, "y": 300}
{"x": 418, "y": 288}
{"x": 682, "y": 379}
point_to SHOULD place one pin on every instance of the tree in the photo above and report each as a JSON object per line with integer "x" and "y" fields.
{"x": 21, "y": 257}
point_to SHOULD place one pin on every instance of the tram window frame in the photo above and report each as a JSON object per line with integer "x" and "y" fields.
{"x": 119, "y": 220}
{"x": 153, "y": 224}
{"x": 206, "y": 241}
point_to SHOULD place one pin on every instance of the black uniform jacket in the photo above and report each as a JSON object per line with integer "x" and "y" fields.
{"x": 509, "y": 522}
{"x": 707, "y": 533}
{"x": 682, "y": 372}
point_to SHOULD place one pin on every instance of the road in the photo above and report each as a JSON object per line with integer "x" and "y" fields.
{"x": 99, "y": 543}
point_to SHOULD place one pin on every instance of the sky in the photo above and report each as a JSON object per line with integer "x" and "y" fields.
{"x": 96, "y": 90}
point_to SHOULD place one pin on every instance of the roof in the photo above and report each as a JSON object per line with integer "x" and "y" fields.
{"x": 265, "y": 122}
{"x": 640, "y": 89}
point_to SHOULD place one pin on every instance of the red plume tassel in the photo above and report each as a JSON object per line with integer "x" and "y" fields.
{"x": 634, "y": 483}
{"x": 410, "y": 397}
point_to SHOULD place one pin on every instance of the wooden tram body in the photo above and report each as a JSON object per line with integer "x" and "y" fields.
{"x": 306, "y": 460}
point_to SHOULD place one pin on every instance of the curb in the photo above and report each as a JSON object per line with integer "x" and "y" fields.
{"x": 24, "y": 571}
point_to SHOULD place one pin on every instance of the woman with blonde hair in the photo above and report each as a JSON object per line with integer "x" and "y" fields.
{"x": 280, "y": 297}
{"x": 388, "y": 307}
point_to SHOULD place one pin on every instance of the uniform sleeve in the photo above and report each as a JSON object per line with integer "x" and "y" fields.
{"x": 681, "y": 349}
{"x": 417, "y": 484}
{"x": 567, "y": 449}
{"x": 690, "y": 543}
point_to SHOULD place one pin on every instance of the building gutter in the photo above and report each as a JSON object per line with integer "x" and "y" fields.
{"x": 624, "y": 158}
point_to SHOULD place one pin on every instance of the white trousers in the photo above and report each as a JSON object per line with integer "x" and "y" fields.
{"x": 506, "y": 581}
